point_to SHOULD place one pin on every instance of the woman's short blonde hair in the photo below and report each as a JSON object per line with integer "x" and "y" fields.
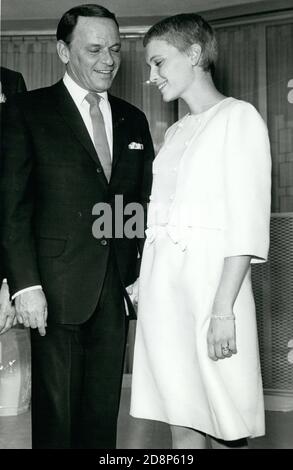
{"x": 183, "y": 30}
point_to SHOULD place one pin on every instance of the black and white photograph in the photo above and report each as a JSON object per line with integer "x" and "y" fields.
{"x": 146, "y": 228}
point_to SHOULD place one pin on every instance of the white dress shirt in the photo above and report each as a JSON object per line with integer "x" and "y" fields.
{"x": 78, "y": 95}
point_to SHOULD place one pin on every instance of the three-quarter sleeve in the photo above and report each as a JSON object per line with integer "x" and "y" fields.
{"x": 247, "y": 183}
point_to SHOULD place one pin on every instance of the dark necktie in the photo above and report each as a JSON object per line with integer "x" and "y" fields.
{"x": 99, "y": 132}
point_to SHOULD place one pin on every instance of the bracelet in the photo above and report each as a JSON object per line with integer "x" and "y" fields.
{"x": 229, "y": 316}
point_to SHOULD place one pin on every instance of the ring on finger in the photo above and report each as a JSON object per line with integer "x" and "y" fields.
{"x": 225, "y": 350}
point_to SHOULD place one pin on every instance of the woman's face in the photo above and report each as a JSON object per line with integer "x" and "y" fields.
{"x": 170, "y": 69}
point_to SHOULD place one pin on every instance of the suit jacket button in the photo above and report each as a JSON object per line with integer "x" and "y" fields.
{"x": 99, "y": 170}
{"x": 104, "y": 242}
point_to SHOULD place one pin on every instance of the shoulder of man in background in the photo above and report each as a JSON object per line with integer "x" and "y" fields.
{"x": 11, "y": 82}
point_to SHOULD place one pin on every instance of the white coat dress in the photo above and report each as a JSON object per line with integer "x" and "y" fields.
{"x": 210, "y": 200}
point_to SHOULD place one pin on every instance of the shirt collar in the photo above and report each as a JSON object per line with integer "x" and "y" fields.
{"x": 77, "y": 92}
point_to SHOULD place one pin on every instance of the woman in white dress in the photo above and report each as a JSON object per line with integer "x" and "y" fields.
{"x": 196, "y": 360}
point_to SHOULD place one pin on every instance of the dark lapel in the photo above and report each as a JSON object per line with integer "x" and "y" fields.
{"x": 68, "y": 110}
{"x": 71, "y": 115}
{"x": 119, "y": 134}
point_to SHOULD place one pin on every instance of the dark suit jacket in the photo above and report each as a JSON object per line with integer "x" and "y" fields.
{"x": 11, "y": 82}
{"x": 51, "y": 180}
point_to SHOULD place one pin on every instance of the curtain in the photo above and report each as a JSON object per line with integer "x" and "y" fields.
{"x": 237, "y": 66}
{"x": 256, "y": 64}
{"x": 280, "y": 113}
{"x": 35, "y": 57}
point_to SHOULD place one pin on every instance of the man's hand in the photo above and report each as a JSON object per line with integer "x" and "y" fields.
{"x": 7, "y": 311}
{"x": 31, "y": 310}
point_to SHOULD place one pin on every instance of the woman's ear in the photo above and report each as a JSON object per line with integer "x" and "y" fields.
{"x": 195, "y": 54}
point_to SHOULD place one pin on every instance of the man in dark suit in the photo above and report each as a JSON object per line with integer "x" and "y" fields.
{"x": 69, "y": 283}
{"x": 11, "y": 82}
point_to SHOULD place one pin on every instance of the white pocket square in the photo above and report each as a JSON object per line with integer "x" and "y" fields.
{"x": 135, "y": 146}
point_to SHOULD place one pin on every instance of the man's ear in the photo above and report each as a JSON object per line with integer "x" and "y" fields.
{"x": 195, "y": 54}
{"x": 63, "y": 51}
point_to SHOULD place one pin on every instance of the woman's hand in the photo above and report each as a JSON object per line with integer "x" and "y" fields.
{"x": 221, "y": 337}
{"x": 132, "y": 291}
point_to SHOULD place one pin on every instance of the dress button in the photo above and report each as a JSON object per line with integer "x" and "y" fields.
{"x": 104, "y": 242}
{"x": 99, "y": 170}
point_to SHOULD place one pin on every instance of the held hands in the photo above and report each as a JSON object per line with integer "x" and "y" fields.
{"x": 221, "y": 337}
{"x": 7, "y": 310}
{"x": 31, "y": 310}
{"x": 132, "y": 291}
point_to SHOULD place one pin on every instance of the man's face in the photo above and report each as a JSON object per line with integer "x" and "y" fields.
{"x": 93, "y": 55}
